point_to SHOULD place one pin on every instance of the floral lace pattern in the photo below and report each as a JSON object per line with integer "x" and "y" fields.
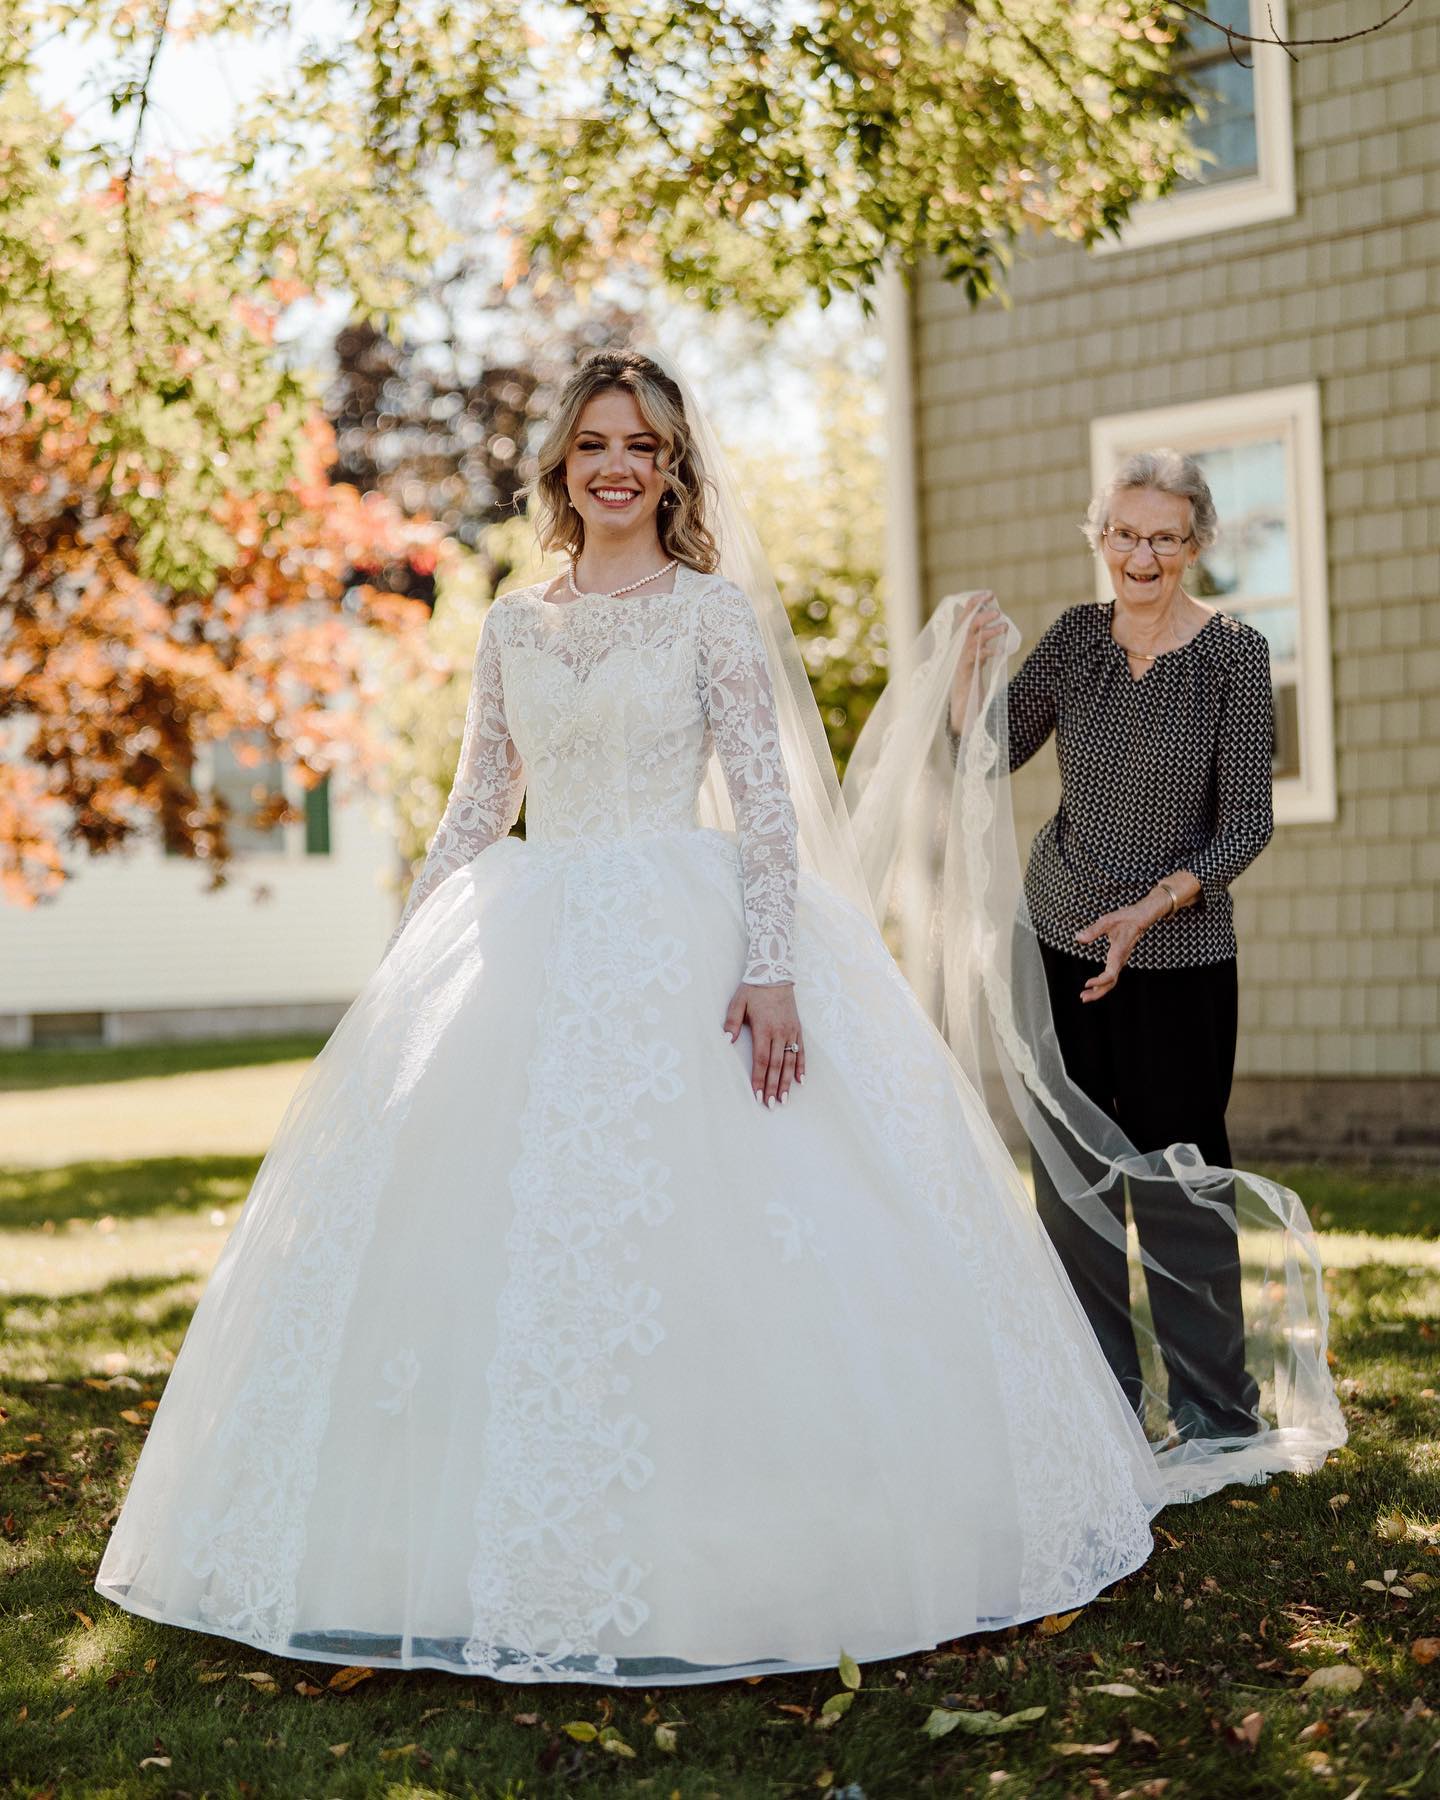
{"x": 1082, "y": 1522}
{"x": 576, "y": 1305}
{"x": 605, "y": 712}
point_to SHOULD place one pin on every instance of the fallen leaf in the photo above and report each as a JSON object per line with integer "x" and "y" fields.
{"x": 1142, "y": 1740}
{"x": 343, "y": 1680}
{"x": 835, "y": 1709}
{"x": 63, "y": 1715}
{"x": 155, "y": 1762}
{"x": 212, "y": 1675}
{"x": 1336, "y": 1501}
{"x": 525, "y": 1719}
{"x": 943, "y": 1720}
{"x": 131, "y": 1417}
{"x": 149, "y": 1665}
{"x": 1392, "y": 1528}
{"x": 308, "y": 1689}
{"x": 666, "y": 1738}
{"x": 1425, "y": 1650}
{"x": 1054, "y": 1623}
{"x": 581, "y": 1730}
{"x": 1246, "y": 1505}
{"x": 1246, "y": 1735}
{"x": 1089, "y": 1749}
{"x": 432, "y": 1712}
{"x": 611, "y": 1740}
{"x": 84, "y": 1618}
{"x": 1337, "y": 1678}
{"x": 1320, "y": 1729}
{"x": 398, "y": 1750}
{"x": 1122, "y": 1690}
{"x": 337, "y": 1749}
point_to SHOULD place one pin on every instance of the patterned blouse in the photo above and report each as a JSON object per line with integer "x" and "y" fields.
{"x": 1169, "y": 772}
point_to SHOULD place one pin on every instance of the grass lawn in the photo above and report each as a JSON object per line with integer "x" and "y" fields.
{"x": 1186, "y": 1680}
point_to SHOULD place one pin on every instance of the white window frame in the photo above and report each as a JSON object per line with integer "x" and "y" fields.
{"x": 1250, "y": 200}
{"x": 1293, "y": 413}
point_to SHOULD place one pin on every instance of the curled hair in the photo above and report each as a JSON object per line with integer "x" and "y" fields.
{"x": 1166, "y": 472}
{"x": 680, "y": 521}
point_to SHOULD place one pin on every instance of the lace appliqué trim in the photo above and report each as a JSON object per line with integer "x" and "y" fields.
{"x": 547, "y": 1590}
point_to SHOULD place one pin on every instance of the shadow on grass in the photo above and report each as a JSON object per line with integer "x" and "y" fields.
{"x": 1245, "y": 1594}
{"x": 30, "y": 1070}
{"x": 135, "y": 1321}
{"x": 144, "y": 1188}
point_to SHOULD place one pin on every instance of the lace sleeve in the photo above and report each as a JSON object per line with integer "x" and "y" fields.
{"x": 740, "y": 705}
{"x": 489, "y": 781}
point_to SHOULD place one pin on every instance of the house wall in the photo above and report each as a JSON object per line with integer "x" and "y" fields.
{"x": 136, "y": 937}
{"x": 1340, "y": 954}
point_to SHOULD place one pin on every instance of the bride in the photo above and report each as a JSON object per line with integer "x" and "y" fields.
{"x": 636, "y": 1290}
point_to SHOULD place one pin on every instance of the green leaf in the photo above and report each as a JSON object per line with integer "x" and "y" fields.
{"x": 581, "y": 1730}
{"x": 943, "y": 1721}
{"x": 849, "y": 1670}
{"x": 837, "y": 1705}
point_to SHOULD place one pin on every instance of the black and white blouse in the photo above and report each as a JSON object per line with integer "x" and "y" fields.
{"x": 1169, "y": 772}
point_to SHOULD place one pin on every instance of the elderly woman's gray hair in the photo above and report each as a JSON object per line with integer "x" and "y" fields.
{"x": 1167, "y": 472}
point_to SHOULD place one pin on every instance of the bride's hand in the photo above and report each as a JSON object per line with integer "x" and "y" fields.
{"x": 984, "y": 626}
{"x": 774, "y": 1024}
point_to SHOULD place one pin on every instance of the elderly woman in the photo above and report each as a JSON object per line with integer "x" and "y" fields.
{"x": 1161, "y": 710}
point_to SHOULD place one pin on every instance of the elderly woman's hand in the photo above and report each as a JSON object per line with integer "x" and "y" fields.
{"x": 769, "y": 1011}
{"x": 984, "y": 627}
{"x": 1128, "y": 924}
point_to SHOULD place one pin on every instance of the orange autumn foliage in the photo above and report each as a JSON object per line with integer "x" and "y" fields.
{"x": 110, "y": 685}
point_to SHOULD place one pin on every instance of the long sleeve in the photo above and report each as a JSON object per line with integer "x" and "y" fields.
{"x": 1033, "y": 695}
{"x": 1244, "y": 804}
{"x": 739, "y": 701}
{"x": 1031, "y": 699}
{"x": 489, "y": 781}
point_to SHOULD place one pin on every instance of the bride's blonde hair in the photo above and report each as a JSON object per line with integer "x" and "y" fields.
{"x": 680, "y": 521}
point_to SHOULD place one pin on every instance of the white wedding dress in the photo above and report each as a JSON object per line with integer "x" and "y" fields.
{"x": 540, "y": 1350}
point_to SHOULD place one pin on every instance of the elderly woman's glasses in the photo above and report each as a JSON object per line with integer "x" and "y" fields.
{"x": 1164, "y": 543}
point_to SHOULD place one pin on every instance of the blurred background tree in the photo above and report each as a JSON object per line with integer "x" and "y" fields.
{"x": 111, "y": 684}
{"x": 170, "y": 316}
{"x": 741, "y": 155}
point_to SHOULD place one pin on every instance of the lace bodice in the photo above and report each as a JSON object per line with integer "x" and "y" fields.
{"x": 605, "y": 713}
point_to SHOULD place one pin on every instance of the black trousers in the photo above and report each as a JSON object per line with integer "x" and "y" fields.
{"x": 1157, "y": 1054}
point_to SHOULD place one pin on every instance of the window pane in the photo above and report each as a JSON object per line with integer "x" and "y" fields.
{"x": 1251, "y": 557}
{"x": 1287, "y": 730}
{"x": 1225, "y": 91}
{"x": 1280, "y": 626}
{"x": 244, "y": 789}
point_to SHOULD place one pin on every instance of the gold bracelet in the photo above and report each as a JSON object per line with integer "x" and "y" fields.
{"x": 1174, "y": 903}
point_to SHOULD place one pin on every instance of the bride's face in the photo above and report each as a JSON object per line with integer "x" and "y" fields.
{"x": 611, "y": 471}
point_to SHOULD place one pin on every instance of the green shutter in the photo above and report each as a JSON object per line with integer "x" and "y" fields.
{"x": 317, "y": 819}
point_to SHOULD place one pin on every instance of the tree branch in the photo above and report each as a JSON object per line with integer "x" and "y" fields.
{"x": 1288, "y": 44}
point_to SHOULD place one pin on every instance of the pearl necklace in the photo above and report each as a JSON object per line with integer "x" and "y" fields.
{"x": 615, "y": 593}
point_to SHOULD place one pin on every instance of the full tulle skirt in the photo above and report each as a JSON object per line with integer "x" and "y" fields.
{"x": 541, "y": 1351}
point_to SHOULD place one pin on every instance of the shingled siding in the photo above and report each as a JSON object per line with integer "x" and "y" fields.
{"x": 1340, "y": 955}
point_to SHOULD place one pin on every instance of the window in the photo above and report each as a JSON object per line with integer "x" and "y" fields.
{"x": 247, "y": 779}
{"x": 1249, "y": 172}
{"x": 1261, "y": 456}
